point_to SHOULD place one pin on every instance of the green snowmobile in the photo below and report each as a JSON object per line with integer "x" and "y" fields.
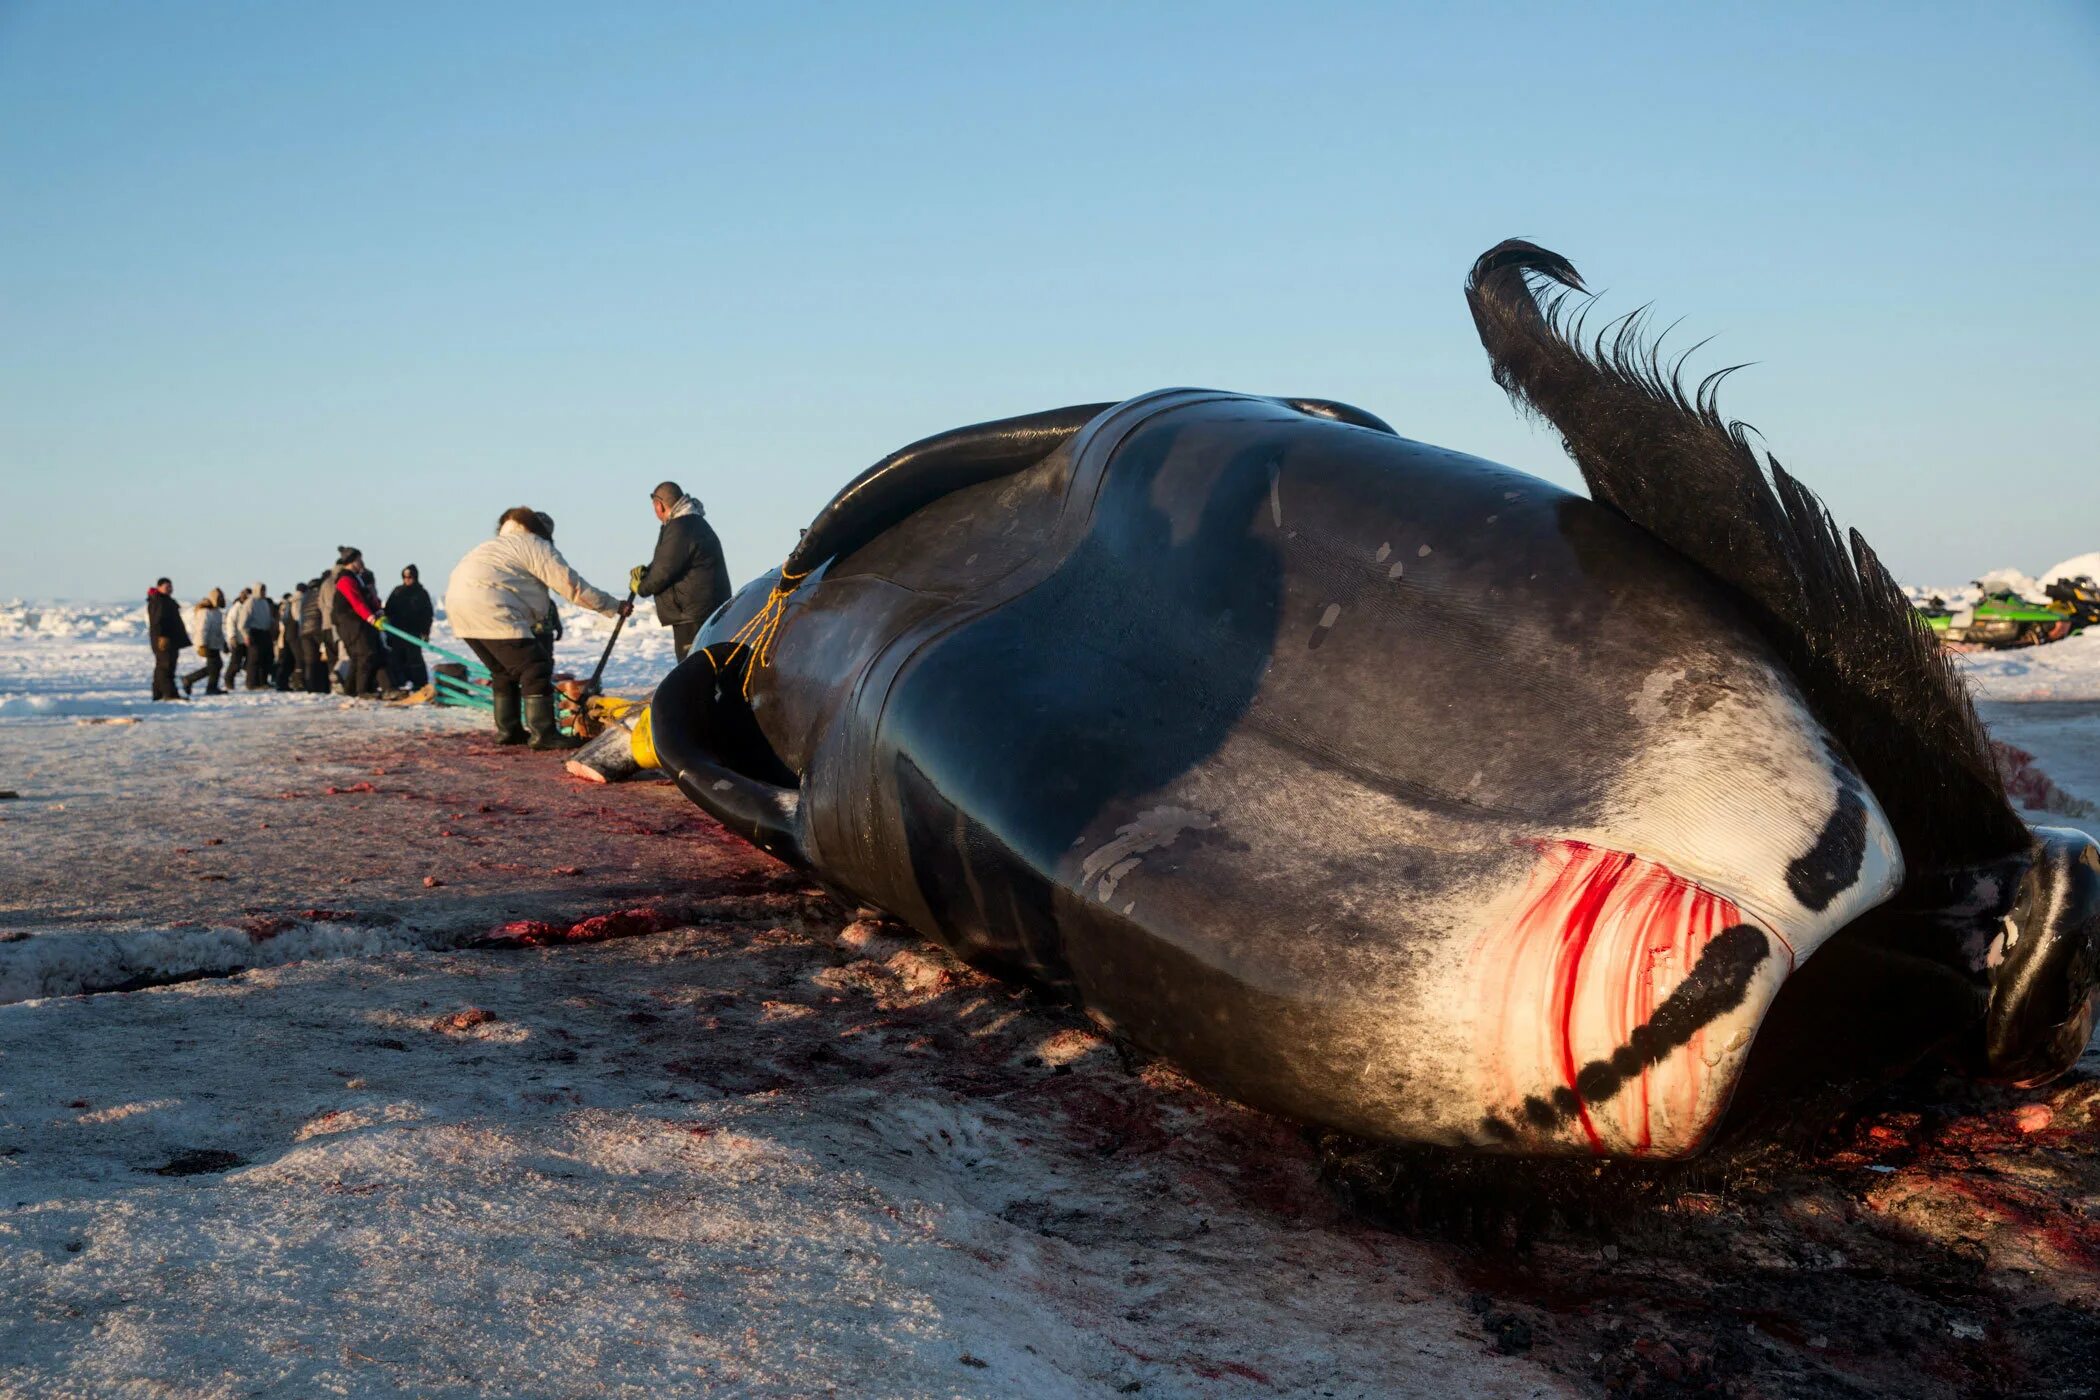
{"x": 2005, "y": 619}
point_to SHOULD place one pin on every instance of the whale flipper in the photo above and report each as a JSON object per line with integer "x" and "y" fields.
{"x": 926, "y": 470}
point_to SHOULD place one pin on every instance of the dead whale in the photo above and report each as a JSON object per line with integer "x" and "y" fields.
{"x": 1377, "y": 785}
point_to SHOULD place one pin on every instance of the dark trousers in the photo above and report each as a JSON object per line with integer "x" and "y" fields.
{"x": 236, "y": 659}
{"x": 314, "y": 662}
{"x": 213, "y": 660}
{"x": 361, "y": 648}
{"x": 287, "y": 670}
{"x": 682, "y": 634}
{"x": 259, "y": 655}
{"x": 165, "y": 655}
{"x": 404, "y": 661}
{"x": 523, "y": 665}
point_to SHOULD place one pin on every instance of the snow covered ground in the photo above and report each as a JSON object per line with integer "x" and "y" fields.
{"x": 743, "y": 1160}
{"x": 95, "y": 761}
{"x": 2065, "y": 670}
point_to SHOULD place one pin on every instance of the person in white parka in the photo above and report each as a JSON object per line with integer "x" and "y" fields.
{"x": 208, "y": 619}
{"x": 496, "y": 602}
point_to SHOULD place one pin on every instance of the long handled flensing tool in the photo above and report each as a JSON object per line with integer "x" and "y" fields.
{"x": 591, "y": 688}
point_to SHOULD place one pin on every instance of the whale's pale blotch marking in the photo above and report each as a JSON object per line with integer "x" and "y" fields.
{"x": 1151, "y": 831}
{"x": 1327, "y": 621}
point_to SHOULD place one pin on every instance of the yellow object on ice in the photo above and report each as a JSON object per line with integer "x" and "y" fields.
{"x": 614, "y": 706}
{"x": 644, "y": 746}
{"x": 634, "y": 716}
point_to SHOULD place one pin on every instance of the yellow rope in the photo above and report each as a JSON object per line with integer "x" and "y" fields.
{"x": 757, "y": 635}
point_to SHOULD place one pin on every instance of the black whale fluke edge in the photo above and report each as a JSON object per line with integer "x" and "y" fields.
{"x": 1038, "y": 684}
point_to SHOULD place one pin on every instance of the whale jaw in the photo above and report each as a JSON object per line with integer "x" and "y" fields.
{"x": 2045, "y": 965}
{"x": 1617, "y": 1006}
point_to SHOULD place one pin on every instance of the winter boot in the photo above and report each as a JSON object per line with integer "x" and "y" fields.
{"x": 546, "y": 733}
{"x": 508, "y": 730}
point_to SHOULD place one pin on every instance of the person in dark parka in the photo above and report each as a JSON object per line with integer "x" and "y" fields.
{"x": 356, "y": 605}
{"x": 408, "y": 609}
{"x": 314, "y": 640}
{"x": 285, "y": 673}
{"x": 169, "y": 637}
{"x": 688, "y": 578}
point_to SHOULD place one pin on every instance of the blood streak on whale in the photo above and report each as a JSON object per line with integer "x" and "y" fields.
{"x": 1599, "y": 940}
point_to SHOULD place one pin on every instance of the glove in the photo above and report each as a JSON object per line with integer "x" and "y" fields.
{"x": 634, "y": 577}
{"x": 204, "y": 652}
{"x": 379, "y": 619}
{"x": 626, "y": 608}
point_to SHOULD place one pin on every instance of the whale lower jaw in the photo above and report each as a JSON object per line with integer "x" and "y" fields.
{"x": 1616, "y": 1009}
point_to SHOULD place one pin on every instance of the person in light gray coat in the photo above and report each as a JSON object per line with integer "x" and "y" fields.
{"x": 496, "y": 602}
{"x": 237, "y": 635}
{"x": 261, "y": 623}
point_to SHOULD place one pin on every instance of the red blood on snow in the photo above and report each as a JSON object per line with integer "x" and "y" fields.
{"x": 621, "y": 923}
{"x": 464, "y": 1020}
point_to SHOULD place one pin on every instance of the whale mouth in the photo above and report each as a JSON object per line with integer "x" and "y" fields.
{"x": 1619, "y": 1005}
{"x": 2044, "y": 964}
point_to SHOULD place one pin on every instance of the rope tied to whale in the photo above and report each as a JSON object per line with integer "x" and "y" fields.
{"x": 757, "y": 635}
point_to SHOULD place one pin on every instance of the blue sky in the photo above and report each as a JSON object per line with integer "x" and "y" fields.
{"x": 277, "y": 277}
